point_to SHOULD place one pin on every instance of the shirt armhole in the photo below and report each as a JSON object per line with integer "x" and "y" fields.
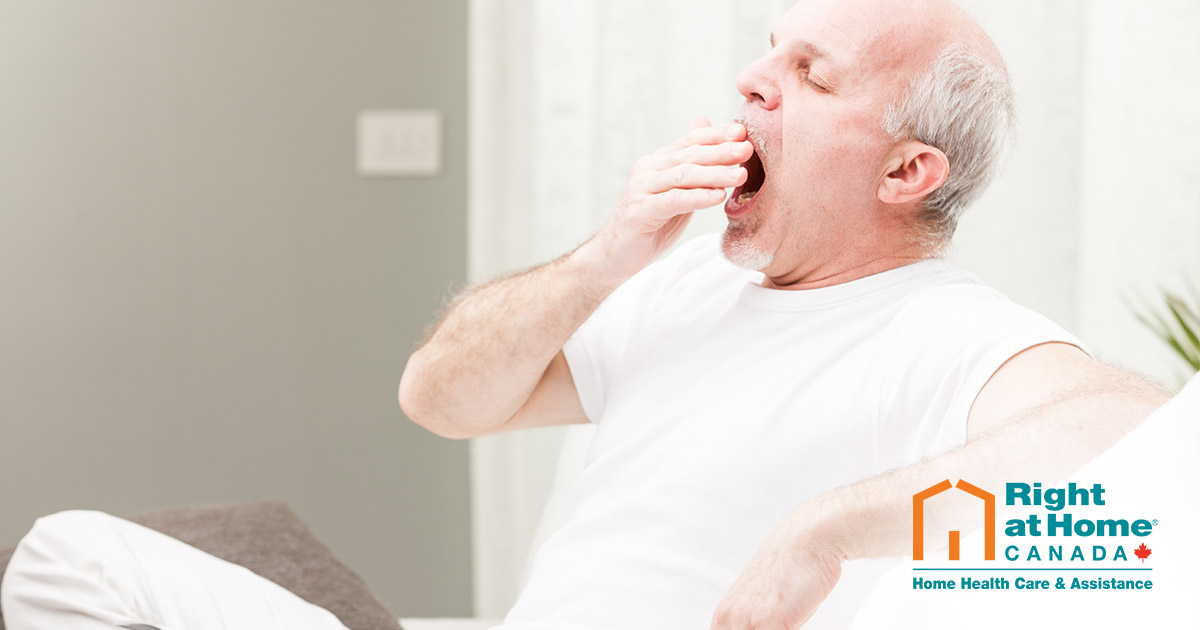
{"x": 586, "y": 376}
{"x": 954, "y": 430}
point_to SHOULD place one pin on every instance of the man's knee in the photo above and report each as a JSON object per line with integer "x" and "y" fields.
{"x": 68, "y": 526}
{"x": 66, "y": 566}
{"x": 70, "y": 520}
{"x": 70, "y": 537}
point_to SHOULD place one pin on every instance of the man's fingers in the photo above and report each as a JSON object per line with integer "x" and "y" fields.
{"x": 678, "y": 201}
{"x": 719, "y": 133}
{"x": 733, "y": 132}
{"x": 693, "y": 176}
{"x": 698, "y": 123}
{"x": 728, "y": 153}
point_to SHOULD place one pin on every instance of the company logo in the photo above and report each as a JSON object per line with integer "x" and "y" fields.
{"x": 989, "y": 519}
{"x": 1041, "y": 540}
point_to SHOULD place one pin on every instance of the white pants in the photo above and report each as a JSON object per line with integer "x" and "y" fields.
{"x": 90, "y": 571}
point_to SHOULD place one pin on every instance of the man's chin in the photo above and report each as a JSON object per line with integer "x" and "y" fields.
{"x": 742, "y": 251}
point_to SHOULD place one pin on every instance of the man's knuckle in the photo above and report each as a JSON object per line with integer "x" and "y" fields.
{"x": 760, "y": 621}
{"x": 638, "y": 181}
{"x": 765, "y": 623}
{"x": 681, "y": 174}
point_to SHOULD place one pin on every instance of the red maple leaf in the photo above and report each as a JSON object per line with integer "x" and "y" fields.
{"x": 1142, "y": 552}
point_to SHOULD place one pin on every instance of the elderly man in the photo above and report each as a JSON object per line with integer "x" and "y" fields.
{"x": 735, "y": 385}
{"x": 820, "y": 342}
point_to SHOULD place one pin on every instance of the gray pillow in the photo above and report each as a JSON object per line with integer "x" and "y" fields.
{"x": 270, "y": 540}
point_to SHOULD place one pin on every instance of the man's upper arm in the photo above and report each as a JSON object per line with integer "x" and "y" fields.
{"x": 1031, "y": 378}
{"x": 554, "y": 400}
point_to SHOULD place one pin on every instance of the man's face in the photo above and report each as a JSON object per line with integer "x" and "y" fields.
{"x": 814, "y": 106}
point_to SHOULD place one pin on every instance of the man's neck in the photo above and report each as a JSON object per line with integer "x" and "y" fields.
{"x": 851, "y": 264}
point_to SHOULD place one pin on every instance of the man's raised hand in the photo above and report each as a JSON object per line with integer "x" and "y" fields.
{"x": 663, "y": 191}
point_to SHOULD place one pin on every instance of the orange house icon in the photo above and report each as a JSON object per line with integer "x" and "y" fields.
{"x": 989, "y": 519}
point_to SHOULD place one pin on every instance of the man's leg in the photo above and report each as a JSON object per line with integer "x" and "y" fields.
{"x": 90, "y": 571}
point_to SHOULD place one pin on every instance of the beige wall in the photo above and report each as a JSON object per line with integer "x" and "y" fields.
{"x": 202, "y": 302}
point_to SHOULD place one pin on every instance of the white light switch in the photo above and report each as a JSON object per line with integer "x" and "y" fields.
{"x": 405, "y": 142}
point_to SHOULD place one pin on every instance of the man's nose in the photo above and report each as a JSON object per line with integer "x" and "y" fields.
{"x": 757, "y": 84}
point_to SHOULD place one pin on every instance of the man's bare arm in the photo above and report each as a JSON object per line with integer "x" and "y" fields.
{"x": 495, "y": 360}
{"x": 1089, "y": 409}
{"x": 1046, "y": 441}
{"x": 482, "y": 363}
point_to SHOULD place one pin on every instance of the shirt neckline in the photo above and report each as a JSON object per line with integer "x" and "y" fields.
{"x": 809, "y": 299}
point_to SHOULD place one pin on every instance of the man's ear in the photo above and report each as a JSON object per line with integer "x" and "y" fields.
{"x": 911, "y": 171}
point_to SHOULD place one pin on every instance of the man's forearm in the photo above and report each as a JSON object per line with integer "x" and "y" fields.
{"x": 1049, "y": 442}
{"x": 486, "y": 357}
{"x": 480, "y": 363}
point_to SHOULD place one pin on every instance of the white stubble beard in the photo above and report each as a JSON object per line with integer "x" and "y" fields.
{"x": 740, "y": 249}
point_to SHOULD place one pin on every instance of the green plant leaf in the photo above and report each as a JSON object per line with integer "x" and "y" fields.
{"x": 1176, "y": 303}
{"x": 1178, "y": 325}
{"x": 1177, "y": 309}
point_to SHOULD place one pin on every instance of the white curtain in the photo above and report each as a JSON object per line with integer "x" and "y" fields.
{"x": 1101, "y": 196}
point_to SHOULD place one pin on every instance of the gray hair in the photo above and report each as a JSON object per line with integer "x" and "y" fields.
{"x": 963, "y": 105}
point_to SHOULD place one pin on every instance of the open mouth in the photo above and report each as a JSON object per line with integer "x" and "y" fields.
{"x": 756, "y": 177}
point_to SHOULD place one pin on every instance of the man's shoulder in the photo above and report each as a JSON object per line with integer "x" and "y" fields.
{"x": 693, "y": 269}
{"x": 699, "y": 260}
{"x": 950, "y": 287}
{"x": 957, "y": 304}
{"x": 702, "y": 248}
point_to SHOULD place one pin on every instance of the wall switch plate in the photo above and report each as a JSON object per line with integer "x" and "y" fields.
{"x": 399, "y": 143}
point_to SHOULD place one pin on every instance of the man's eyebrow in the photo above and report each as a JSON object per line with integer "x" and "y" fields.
{"x": 815, "y": 52}
{"x": 812, "y": 49}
